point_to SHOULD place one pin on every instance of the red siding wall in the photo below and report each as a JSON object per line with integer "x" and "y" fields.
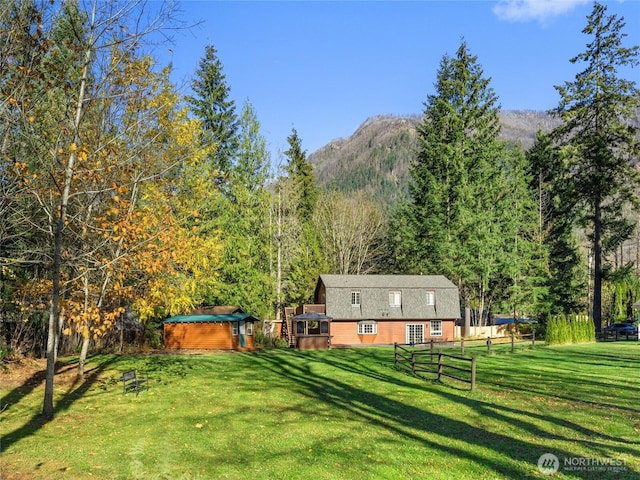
{"x": 206, "y": 336}
{"x": 389, "y": 332}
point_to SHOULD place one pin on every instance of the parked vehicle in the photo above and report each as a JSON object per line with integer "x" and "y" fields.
{"x": 622, "y": 328}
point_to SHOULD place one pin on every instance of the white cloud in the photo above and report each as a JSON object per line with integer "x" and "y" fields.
{"x": 525, "y": 10}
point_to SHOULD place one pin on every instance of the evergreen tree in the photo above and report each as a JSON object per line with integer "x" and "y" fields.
{"x": 210, "y": 103}
{"x": 308, "y": 263}
{"x": 304, "y": 259}
{"x": 518, "y": 284}
{"x": 453, "y": 179}
{"x": 301, "y": 178}
{"x": 563, "y": 270}
{"x": 599, "y": 140}
{"x": 245, "y": 273}
{"x": 251, "y": 170}
{"x": 400, "y": 252}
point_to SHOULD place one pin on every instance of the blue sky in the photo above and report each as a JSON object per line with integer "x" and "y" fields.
{"x": 324, "y": 67}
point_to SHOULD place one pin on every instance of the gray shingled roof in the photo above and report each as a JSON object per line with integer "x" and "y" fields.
{"x": 374, "y": 303}
{"x": 386, "y": 281}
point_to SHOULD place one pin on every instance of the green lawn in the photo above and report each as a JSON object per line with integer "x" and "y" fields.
{"x": 338, "y": 414}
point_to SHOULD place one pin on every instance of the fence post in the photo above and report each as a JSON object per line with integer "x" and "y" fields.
{"x": 462, "y": 346}
{"x": 533, "y": 339}
{"x": 395, "y": 353}
{"x": 439, "y": 364}
{"x": 431, "y": 346}
{"x": 473, "y": 372}
{"x": 413, "y": 362}
{"x": 488, "y": 344}
{"x": 513, "y": 342}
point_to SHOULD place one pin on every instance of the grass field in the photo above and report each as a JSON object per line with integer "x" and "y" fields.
{"x": 338, "y": 414}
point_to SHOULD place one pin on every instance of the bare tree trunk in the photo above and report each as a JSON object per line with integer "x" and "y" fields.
{"x": 279, "y": 260}
{"x": 638, "y": 248}
{"x": 597, "y": 267}
{"x": 107, "y": 279}
{"x": 54, "y": 314}
{"x": 467, "y": 311}
{"x": 121, "y": 334}
{"x": 83, "y": 355}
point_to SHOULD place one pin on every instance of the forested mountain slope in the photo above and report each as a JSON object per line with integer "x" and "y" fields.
{"x": 376, "y": 158}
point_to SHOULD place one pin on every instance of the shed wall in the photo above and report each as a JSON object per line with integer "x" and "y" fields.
{"x": 206, "y": 336}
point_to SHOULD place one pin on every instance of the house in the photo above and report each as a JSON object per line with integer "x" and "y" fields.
{"x": 385, "y": 309}
{"x": 203, "y": 329}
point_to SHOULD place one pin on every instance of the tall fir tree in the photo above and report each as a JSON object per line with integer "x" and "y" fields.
{"x": 245, "y": 274}
{"x": 563, "y": 270}
{"x": 301, "y": 177}
{"x": 598, "y": 139}
{"x": 306, "y": 259}
{"x": 519, "y": 285}
{"x": 463, "y": 183}
{"x": 211, "y": 104}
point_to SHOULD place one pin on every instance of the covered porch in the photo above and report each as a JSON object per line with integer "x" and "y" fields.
{"x": 307, "y": 327}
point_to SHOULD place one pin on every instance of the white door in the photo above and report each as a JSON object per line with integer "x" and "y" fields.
{"x": 414, "y": 333}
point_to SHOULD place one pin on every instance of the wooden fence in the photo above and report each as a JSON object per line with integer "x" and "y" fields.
{"x": 616, "y": 336}
{"x": 471, "y": 369}
{"x": 420, "y": 360}
{"x": 512, "y": 339}
{"x": 486, "y": 343}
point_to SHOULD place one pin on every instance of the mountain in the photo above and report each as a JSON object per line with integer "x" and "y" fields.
{"x": 376, "y": 158}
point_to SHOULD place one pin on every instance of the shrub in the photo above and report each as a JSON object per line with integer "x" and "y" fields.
{"x": 265, "y": 340}
{"x": 575, "y": 329}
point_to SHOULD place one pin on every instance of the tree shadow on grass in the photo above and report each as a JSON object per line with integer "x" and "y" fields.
{"x": 76, "y": 389}
{"x": 408, "y": 420}
{"x": 509, "y": 382}
{"x": 413, "y": 423}
{"x": 550, "y": 376}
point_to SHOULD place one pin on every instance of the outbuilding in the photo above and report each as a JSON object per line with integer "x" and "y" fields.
{"x": 229, "y": 331}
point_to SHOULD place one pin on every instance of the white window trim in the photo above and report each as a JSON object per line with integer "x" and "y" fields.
{"x": 431, "y": 298}
{"x": 249, "y": 328}
{"x": 362, "y": 330}
{"x": 395, "y": 298}
{"x": 435, "y": 332}
{"x": 407, "y": 334}
{"x": 356, "y": 299}
{"x": 234, "y": 329}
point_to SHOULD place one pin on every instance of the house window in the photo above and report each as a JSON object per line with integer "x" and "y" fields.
{"x": 234, "y": 329}
{"x": 395, "y": 299}
{"x": 324, "y": 327}
{"x": 249, "y": 328}
{"x": 355, "y": 298}
{"x": 414, "y": 333}
{"x": 367, "y": 328}
{"x": 436, "y": 328}
{"x": 431, "y": 297}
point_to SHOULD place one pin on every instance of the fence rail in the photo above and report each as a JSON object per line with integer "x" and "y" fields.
{"x": 415, "y": 360}
{"x": 616, "y": 336}
{"x": 485, "y": 343}
{"x": 471, "y": 370}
